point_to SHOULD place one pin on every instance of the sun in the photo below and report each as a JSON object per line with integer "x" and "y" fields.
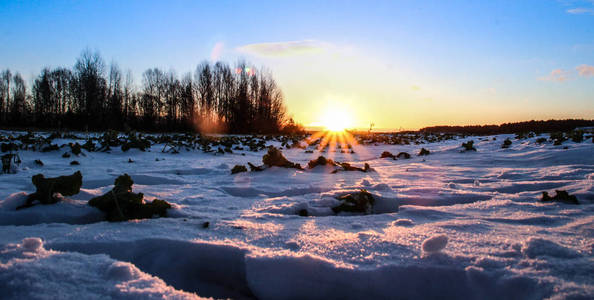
{"x": 335, "y": 119}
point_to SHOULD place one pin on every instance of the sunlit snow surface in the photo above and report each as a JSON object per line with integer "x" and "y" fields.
{"x": 447, "y": 225}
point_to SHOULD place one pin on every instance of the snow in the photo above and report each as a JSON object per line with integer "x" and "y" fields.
{"x": 536, "y": 247}
{"x": 403, "y": 222}
{"x": 434, "y": 244}
{"x": 68, "y": 211}
{"x": 446, "y": 225}
{"x": 29, "y": 271}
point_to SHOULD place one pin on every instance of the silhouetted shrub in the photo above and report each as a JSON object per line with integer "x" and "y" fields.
{"x": 558, "y": 138}
{"x": 6, "y": 147}
{"x": 577, "y": 136}
{"x": 9, "y": 162}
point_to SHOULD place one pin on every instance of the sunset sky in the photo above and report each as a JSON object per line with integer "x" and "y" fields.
{"x": 399, "y": 64}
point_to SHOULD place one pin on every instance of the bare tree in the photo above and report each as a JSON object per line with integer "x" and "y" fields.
{"x": 215, "y": 97}
{"x": 130, "y": 109}
{"x": 19, "y": 98}
{"x": 91, "y": 85}
{"x": 114, "y": 97}
{"x": 204, "y": 85}
{"x": 5, "y": 78}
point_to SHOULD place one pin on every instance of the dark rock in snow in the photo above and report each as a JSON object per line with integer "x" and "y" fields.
{"x": 320, "y": 161}
{"x": 47, "y": 187}
{"x": 387, "y": 154}
{"x": 89, "y": 146}
{"x": 51, "y": 147}
{"x": 238, "y": 169}
{"x": 275, "y": 157}
{"x": 255, "y": 168}
{"x": 122, "y": 204}
{"x": 403, "y": 155}
{"x": 75, "y": 148}
{"x": 360, "y": 202}
{"x": 348, "y": 167}
{"x": 506, "y": 144}
{"x": 468, "y": 146}
{"x": 135, "y": 141}
{"x": 424, "y": 152}
{"x": 561, "y": 196}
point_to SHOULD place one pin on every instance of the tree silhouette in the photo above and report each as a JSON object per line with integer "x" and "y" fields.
{"x": 215, "y": 98}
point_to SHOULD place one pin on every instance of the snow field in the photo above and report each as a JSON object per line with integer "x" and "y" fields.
{"x": 447, "y": 225}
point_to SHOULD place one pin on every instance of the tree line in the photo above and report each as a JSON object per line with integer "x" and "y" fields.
{"x": 517, "y": 127}
{"x": 90, "y": 96}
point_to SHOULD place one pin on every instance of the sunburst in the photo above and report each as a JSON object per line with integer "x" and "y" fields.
{"x": 336, "y": 120}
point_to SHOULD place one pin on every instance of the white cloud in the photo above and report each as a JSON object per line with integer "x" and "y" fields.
{"x": 290, "y": 48}
{"x": 559, "y": 75}
{"x": 216, "y": 51}
{"x": 581, "y": 11}
{"x": 585, "y": 70}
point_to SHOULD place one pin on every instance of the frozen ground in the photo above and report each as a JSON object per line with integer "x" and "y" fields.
{"x": 448, "y": 225}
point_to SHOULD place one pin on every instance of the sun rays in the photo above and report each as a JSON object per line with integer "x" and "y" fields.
{"x": 333, "y": 142}
{"x": 335, "y": 120}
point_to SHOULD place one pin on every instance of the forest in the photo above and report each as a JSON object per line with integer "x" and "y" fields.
{"x": 93, "y": 96}
{"x": 517, "y": 127}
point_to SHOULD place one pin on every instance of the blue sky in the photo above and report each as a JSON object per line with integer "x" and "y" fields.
{"x": 395, "y": 63}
